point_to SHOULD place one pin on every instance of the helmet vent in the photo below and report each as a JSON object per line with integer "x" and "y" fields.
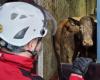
{"x": 42, "y": 32}
{"x": 23, "y": 16}
{"x": 21, "y": 33}
{"x": 13, "y": 16}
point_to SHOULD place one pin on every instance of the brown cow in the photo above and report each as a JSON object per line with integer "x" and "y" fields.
{"x": 75, "y": 37}
{"x": 64, "y": 42}
{"x": 62, "y": 45}
{"x": 85, "y": 39}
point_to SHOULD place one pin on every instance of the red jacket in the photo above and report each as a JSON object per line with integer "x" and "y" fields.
{"x": 75, "y": 77}
{"x": 14, "y": 67}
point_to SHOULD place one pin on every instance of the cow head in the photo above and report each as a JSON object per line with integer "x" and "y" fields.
{"x": 86, "y": 29}
{"x": 72, "y": 25}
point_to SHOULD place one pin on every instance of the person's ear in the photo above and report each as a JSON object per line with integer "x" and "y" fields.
{"x": 33, "y": 45}
{"x": 30, "y": 45}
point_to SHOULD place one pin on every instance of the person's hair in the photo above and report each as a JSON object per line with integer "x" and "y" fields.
{"x": 11, "y": 0}
{"x": 28, "y": 1}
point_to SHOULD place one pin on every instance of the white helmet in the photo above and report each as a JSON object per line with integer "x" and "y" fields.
{"x": 21, "y": 22}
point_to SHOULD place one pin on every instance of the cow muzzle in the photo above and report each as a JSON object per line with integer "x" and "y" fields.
{"x": 88, "y": 42}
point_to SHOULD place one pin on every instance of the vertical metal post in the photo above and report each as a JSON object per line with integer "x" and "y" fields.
{"x": 98, "y": 31}
{"x": 40, "y": 63}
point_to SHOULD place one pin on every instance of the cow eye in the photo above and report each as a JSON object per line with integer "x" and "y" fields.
{"x": 72, "y": 24}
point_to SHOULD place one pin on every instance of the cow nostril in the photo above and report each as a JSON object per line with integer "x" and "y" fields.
{"x": 91, "y": 43}
{"x": 84, "y": 43}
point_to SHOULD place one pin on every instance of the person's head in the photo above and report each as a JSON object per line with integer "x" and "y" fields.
{"x": 22, "y": 26}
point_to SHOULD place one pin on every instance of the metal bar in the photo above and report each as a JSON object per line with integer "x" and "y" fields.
{"x": 98, "y": 31}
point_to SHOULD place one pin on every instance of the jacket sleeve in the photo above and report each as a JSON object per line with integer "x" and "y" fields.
{"x": 75, "y": 77}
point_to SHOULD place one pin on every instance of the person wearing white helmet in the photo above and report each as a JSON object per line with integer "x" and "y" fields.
{"x": 22, "y": 27}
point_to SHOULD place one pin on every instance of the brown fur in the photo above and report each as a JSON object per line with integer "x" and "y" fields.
{"x": 85, "y": 40}
{"x": 65, "y": 31}
{"x": 63, "y": 50}
{"x": 65, "y": 43}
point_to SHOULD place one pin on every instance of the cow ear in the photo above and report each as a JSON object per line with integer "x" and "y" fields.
{"x": 76, "y": 22}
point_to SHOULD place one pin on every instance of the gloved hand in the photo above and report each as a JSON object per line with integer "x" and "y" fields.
{"x": 80, "y": 65}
